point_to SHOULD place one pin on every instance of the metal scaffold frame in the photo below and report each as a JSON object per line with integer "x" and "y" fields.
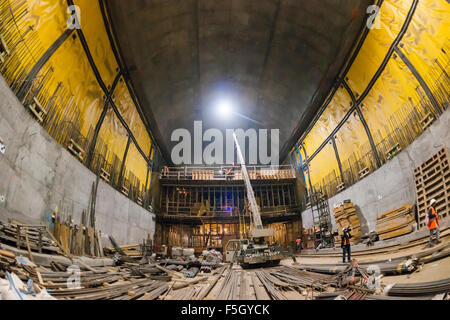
{"x": 320, "y": 211}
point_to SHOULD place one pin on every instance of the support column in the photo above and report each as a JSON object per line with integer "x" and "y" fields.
{"x": 333, "y": 141}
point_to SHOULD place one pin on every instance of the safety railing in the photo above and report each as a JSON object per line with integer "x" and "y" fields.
{"x": 225, "y": 173}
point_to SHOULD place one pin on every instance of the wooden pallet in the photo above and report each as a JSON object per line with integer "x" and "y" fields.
{"x": 76, "y": 150}
{"x": 392, "y": 152}
{"x": 427, "y": 121}
{"x": 432, "y": 181}
{"x": 104, "y": 175}
{"x": 4, "y": 50}
{"x": 364, "y": 172}
{"x": 38, "y": 110}
{"x": 340, "y": 187}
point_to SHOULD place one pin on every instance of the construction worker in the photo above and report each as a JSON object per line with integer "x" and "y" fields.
{"x": 433, "y": 222}
{"x": 299, "y": 244}
{"x": 345, "y": 244}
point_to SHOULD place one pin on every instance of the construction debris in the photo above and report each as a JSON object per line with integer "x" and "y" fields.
{"x": 212, "y": 256}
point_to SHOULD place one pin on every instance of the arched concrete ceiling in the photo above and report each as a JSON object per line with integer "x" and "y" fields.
{"x": 277, "y": 59}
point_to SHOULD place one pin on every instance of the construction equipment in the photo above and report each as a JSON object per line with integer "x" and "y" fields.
{"x": 256, "y": 250}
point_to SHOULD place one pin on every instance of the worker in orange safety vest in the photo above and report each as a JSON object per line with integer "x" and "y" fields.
{"x": 299, "y": 244}
{"x": 433, "y": 222}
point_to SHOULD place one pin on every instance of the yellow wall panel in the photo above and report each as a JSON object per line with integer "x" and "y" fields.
{"x": 351, "y": 139}
{"x": 394, "y": 90}
{"x": 114, "y": 135}
{"x": 49, "y": 19}
{"x": 328, "y": 121}
{"x": 324, "y": 163}
{"x": 136, "y": 164}
{"x": 97, "y": 39}
{"x": 72, "y": 69}
{"x": 129, "y": 113}
{"x": 378, "y": 41}
{"x": 427, "y": 35}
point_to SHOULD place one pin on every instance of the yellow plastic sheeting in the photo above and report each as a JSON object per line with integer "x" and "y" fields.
{"x": 136, "y": 164}
{"x": 97, "y": 39}
{"x": 324, "y": 163}
{"x": 378, "y": 41}
{"x": 128, "y": 111}
{"x": 72, "y": 69}
{"x": 49, "y": 19}
{"x": 427, "y": 35}
{"x": 114, "y": 135}
{"x": 328, "y": 121}
{"x": 395, "y": 89}
{"x": 352, "y": 139}
{"x": 24, "y": 45}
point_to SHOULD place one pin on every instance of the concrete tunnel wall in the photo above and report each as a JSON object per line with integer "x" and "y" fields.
{"x": 392, "y": 185}
{"x": 37, "y": 174}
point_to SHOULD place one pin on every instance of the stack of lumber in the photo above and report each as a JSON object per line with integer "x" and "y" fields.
{"x": 432, "y": 180}
{"x": 396, "y": 223}
{"x": 131, "y": 250}
{"x": 345, "y": 215}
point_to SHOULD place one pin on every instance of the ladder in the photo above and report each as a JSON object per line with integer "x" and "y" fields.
{"x": 322, "y": 217}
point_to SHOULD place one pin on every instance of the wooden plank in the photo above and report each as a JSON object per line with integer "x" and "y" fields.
{"x": 28, "y": 247}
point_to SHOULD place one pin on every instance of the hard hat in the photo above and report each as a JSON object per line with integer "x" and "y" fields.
{"x": 432, "y": 201}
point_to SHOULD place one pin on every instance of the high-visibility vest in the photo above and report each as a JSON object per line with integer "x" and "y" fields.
{"x": 434, "y": 220}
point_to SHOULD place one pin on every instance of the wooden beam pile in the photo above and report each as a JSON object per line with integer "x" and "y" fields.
{"x": 396, "y": 222}
{"x": 116, "y": 283}
{"x": 432, "y": 180}
{"x": 345, "y": 216}
{"x": 131, "y": 250}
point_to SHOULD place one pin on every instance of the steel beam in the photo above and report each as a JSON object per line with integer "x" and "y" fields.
{"x": 336, "y": 152}
{"x": 28, "y": 82}
{"x": 122, "y": 167}
{"x": 364, "y": 123}
{"x": 100, "y": 121}
{"x": 419, "y": 78}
